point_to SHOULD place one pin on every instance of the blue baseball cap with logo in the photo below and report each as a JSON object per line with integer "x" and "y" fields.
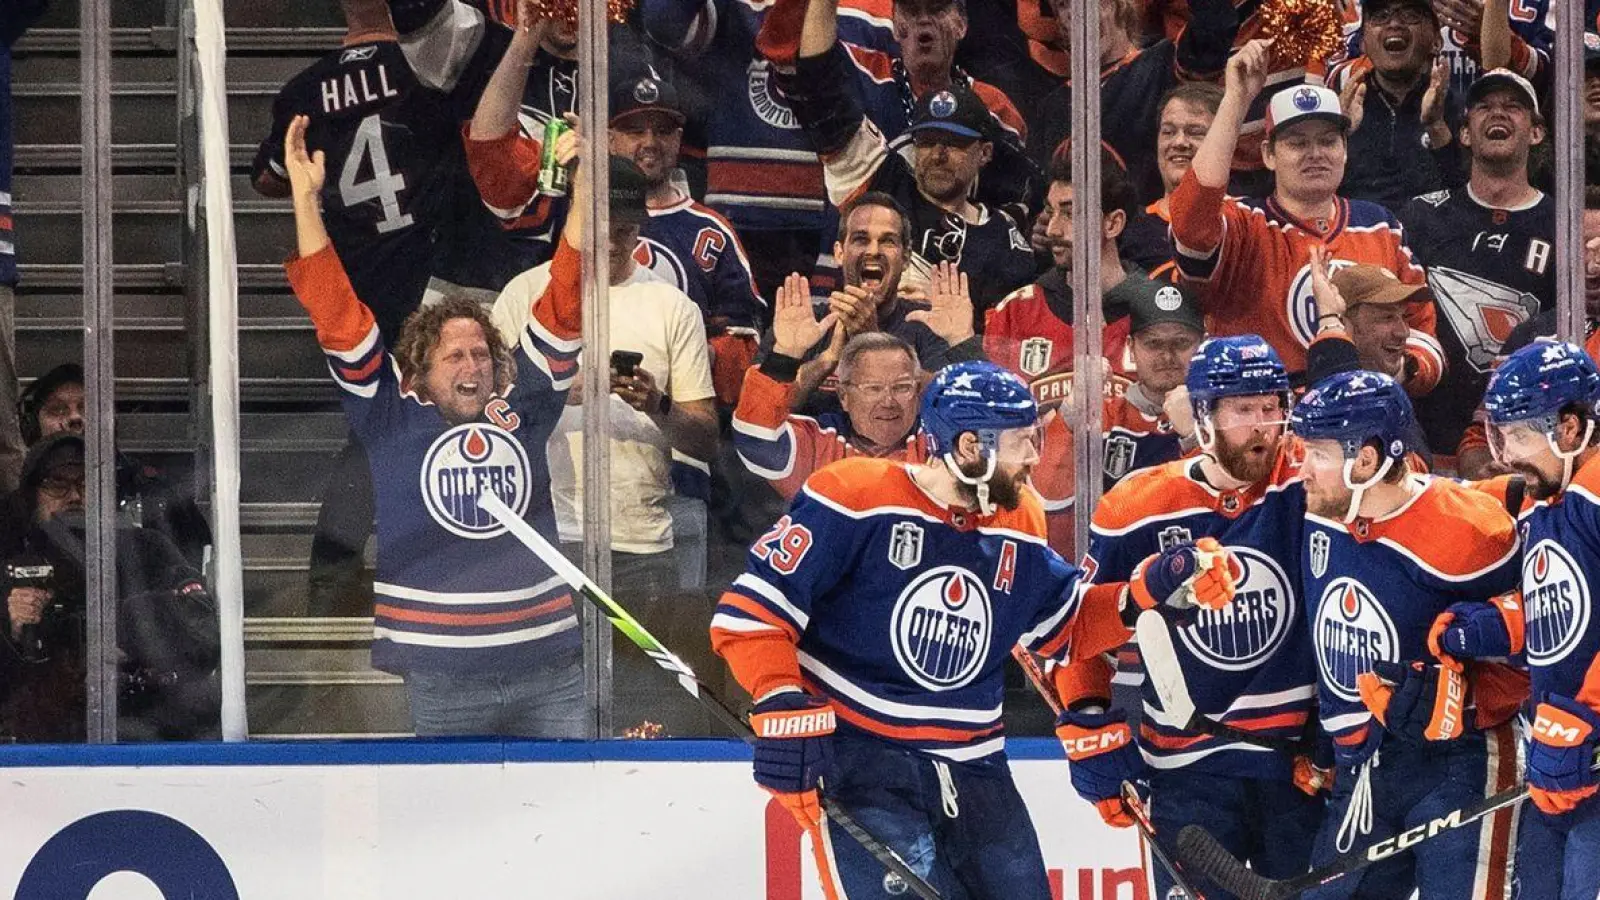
{"x": 955, "y": 109}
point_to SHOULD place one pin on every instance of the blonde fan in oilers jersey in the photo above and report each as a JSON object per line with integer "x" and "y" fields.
{"x": 1385, "y": 552}
{"x": 485, "y": 638}
{"x": 1542, "y": 403}
{"x": 872, "y": 629}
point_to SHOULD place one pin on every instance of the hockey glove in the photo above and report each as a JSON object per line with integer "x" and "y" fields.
{"x": 1102, "y": 756}
{"x": 1416, "y": 701}
{"x": 1561, "y": 755}
{"x": 1311, "y": 778}
{"x": 1181, "y": 577}
{"x": 1490, "y": 630}
{"x": 794, "y": 749}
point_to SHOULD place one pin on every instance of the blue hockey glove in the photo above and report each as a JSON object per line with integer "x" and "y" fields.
{"x": 1561, "y": 754}
{"x": 1417, "y": 701}
{"x": 1184, "y": 576}
{"x": 1490, "y": 630}
{"x": 1102, "y": 755}
{"x": 793, "y": 750}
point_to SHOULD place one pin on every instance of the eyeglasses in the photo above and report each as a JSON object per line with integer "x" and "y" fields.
{"x": 57, "y": 487}
{"x": 874, "y": 391}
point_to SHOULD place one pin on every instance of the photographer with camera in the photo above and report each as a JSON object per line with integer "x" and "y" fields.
{"x": 167, "y": 639}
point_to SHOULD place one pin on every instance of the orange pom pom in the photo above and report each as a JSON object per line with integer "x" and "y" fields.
{"x": 1302, "y": 31}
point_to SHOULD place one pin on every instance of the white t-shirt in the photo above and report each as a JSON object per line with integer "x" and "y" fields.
{"x": 655, "y": 319}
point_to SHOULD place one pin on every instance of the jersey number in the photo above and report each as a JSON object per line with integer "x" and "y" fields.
{"x": 384, "y": 186}
{"x": 784, "y": 545}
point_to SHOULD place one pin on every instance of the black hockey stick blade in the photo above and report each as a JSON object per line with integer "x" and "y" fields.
{"x": 1516, "y": 490}
{"x": 1141, "y": 816}
{"x": 1204, "y": 853}
{"x": 686, "y": 678}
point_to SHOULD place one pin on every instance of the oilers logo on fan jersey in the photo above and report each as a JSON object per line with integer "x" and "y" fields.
{"x": 1555, "y": 599}
{"x": 1247, "y": 631}
{"x": 940, "y": 628}
{"x": 1301, "y": 306}
{"x": 463, "y": 464}
{"x": 1351, "y": 630}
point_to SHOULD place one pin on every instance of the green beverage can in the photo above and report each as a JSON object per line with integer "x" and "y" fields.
{"x": 553, "y": 177}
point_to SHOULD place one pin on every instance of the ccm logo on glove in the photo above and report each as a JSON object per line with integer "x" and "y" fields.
{"x": 1559, "y": 728}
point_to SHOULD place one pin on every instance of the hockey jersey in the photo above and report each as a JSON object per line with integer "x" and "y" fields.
{"x": 1248, "y": 664}
{"x": 454, "y": 591}
{"x": 903, "y": 611}
{"x": 1373, "y": 588}
{"x": 1490, "y": 270}
{"x": 762, "y": 171}
{"x": 1560, "y": 574}
{"x": 1253, "y": 260}
{"x": 1030, "y": 332}
{"x": 385, "y": 112}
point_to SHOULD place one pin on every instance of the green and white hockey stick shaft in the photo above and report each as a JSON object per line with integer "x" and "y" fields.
{"x": 686, "y": 678}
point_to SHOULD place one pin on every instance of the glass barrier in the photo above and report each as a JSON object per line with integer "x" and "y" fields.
{"x": 800, "y": 228}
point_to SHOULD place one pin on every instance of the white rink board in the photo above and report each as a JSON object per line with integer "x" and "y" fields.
{"x": 689, "y": 827}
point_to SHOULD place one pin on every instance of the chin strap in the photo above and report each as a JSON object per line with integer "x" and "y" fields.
{"x": 979, "y": 485}
{"x": 1567, "y": 459}
{"x": 1357, "y": 490}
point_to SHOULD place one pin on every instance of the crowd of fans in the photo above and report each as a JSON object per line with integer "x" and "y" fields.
{"x": 814, "y": 206}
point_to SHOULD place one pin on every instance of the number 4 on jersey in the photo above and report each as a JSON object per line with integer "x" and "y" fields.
{"x": 384, "y": 185}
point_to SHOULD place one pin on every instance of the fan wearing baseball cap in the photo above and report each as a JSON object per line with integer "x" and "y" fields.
{"x": 1489, "y": 248}
{"x": 1253, "y": 256}
{"x": 953, "y": 136}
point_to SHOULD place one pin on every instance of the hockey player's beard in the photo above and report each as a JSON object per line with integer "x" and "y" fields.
{"x": 1005, "y": 486}
{"x": 1538, "y": 486}
{"x": 1250, "y": 463}
{"x": 1329, "y": 505}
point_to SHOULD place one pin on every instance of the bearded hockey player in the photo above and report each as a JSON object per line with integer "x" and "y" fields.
{"x": 1247, "y": 666}
{"x": 872, "y": 629}
{"x": 1542, "y": 404}
{"x": 1385, "y": 552}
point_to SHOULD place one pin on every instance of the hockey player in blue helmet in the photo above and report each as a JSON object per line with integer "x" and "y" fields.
{"x": 1386, "y": 551}
{"x": 1337, "y": 418}
{"x": 981, "y": 421}
{"x": 1542, "y": 403}
{"x": 1239, "y": 391}
{"x": 872, "y": 629}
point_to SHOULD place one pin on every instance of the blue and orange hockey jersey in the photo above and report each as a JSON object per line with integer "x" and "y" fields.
{"x": 1254, "y": 260}
{"x": 455, "y": 592}
{"x": 904, "y": 611}
{"x": 1374, "y": 587}
{"x": 1247, "y": 664}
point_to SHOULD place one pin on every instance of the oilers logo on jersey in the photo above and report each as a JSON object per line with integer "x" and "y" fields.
{"x": 463, "y": 463}
{"x": 1244, "y": 633}
{"x": 1301, "y": 305}
{"x": 766, "y": 103}
{"x": 654, "y": 257}
{"x": 1555, "y": 602}
{"x": 940, "y": 628}
{"x": 1352, "y": 629}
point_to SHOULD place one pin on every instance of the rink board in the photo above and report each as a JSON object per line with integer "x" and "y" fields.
{"x": 667, "y": 820}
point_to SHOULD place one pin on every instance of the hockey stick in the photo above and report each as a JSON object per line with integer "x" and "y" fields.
{"x": 1177, "y": 706}
{"x": 686, "y": 678}
{"x": 1130, "y": 794}
{"x": 1196, "y": 847}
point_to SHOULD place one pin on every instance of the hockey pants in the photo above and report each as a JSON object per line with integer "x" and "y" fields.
{"x": 1406, "y": 786}
{"x": 962, "y": 826}
{"x": 1269, "y": 824}
{"x": 1558, "y": 857}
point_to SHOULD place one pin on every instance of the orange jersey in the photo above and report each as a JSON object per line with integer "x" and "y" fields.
{"x": 1253, "y": 261}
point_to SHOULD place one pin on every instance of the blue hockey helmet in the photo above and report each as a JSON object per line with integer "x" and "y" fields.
{"x": 1354, "y": 408}
{"x": 1241, "y": 366}
{"x": 1539, "y": 381}
{"x": 976, "y": 396}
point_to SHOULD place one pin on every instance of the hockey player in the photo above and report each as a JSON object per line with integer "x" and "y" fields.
{"x": 1489, "y": 249}
{"x": 1542, "y": 406}
{"x": 485, "y": 639}
{"x": 1250, "y": 667}
{"x": 1385, "y": 551}
{"x": 872, "y": 629}
{"x": 1253, "y": 256}
{"x": 953, "y": 135}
